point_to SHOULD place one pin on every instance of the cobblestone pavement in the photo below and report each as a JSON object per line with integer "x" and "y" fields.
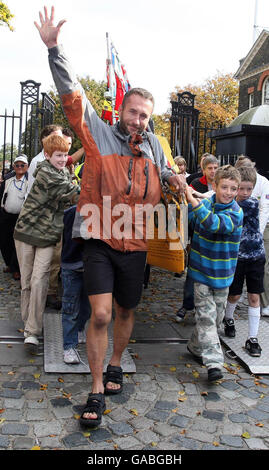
{"x": 167, "y": 404}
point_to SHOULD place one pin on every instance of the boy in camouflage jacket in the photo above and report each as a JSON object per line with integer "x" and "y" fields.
{"x": 38, "y": 229}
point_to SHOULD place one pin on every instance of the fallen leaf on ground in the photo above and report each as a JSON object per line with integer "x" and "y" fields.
{"x": 246, "y": 435}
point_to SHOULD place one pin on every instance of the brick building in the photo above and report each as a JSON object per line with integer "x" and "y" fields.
{"x": 253, "y": 75}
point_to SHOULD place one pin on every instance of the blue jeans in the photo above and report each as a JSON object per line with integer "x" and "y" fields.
{"x": 76, "y": 308}
{"x": 188, "y": 300}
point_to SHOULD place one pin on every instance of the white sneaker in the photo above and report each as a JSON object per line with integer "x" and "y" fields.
{"x": 71, "y": 356}
{"x": 265, "y": 311}
{"x": 82, "y": 336}
{"x": 31, "y": 339}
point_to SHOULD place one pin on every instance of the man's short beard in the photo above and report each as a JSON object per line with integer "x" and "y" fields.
{"x": 124, "y": 128}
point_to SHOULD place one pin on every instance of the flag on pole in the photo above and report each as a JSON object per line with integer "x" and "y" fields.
{"x": 117, "y": 84}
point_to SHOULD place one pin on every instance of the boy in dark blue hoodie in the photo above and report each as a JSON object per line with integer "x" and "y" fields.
{"x": 75, "y": 303}
{"x": 250, "y": 265}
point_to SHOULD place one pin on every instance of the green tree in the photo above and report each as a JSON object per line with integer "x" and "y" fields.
{"x": 95, "y": 93}
{"x": 216, "y": 99}
{"x": 5, "y": 16}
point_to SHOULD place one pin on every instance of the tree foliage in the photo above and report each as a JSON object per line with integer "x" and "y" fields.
{"x": 95, "y": 93}
{"x": 216, "y": 99}
{"x": 5, "y": 16}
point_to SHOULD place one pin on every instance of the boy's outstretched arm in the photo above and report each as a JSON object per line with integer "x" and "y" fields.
{"x": 48, "y": 32}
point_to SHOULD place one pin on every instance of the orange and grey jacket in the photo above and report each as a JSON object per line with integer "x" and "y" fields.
{"x": 114, "y": 181}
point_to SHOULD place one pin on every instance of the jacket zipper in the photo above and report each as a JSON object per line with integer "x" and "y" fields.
{"x": 130, "y": 176}
{"x": 146, "y": 172}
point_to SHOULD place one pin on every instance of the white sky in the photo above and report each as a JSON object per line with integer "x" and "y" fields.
{"x": 163, "y": 43}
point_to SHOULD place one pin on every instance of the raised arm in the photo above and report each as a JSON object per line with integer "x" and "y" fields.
{"x": 48, "y": 32}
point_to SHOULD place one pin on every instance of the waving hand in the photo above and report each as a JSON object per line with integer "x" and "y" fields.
{"x": 48, "y": 32}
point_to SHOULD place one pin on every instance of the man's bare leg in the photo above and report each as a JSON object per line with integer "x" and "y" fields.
{"x": 123, "y": 327}
{"x": 97, "y": 340}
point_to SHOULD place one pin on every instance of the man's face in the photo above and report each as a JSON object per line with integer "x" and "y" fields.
{"x": 68, "y": 139}
{"x": 58, "y": 132}
{"x": 20, "y": 168}
{"x": 135, "y": 115}
{"x": 210, "y": 171}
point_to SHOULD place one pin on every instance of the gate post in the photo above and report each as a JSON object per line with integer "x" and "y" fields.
{"x": 184, "y": 122}
{"x": 29, "y": 99}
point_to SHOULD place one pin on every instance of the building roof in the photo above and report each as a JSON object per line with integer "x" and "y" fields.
{"x": 258, "y": 116}
{"x": 244, "y": 63}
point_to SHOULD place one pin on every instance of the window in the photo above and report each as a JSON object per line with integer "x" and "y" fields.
{"x": 265, "y": 91}
{"x": 250, "y": 100}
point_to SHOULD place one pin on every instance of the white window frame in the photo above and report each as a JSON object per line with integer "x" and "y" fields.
{"x": 250, "y": 100}
{"x": 265, "y": 91}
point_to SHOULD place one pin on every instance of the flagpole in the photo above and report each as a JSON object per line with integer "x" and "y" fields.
{"x": 255, "y": 27}
{"x": 109, "y": 61}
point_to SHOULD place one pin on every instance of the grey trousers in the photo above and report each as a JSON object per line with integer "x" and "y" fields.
{"x": 35, "y": 265}
{"x": 210, "y": 307}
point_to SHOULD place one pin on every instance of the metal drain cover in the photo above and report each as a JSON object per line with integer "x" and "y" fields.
{"x": 53, "y": 350}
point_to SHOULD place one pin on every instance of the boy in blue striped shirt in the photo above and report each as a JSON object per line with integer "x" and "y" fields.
{"x": 217, "y": 228}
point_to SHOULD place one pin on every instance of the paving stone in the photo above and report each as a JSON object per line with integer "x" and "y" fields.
{"x": 23, "y": 443}
{"x": 258, "y": 414}
{"x": 164, "y": 429}
{"x": 263, "y": 407}
{"x": 212, "y": 396}
{"x": 121, "y": 429}
{"x": 4, "y": 442}
{"x": 127, "y": 443}
{"x": 30, "y": 385}
{"x": 46, "y": 429}
{"x": 238, "y": 418}
{"x": 250, "y": 394}
{"x": 186, "y": 443}
{"x": 157, "y": 415}
{"x": 100, "y": 434}
{"x": 213, "y": 415}
{"x": 202, "y": 424}
{"x": 37, "y": 415}
{"x": 232, "y": 441}
{"x": 179, "y": 421}
{"x": 13, "y": 403}
{"x": 12, "y": 415}
{"x": 229, "y": 385}
{"x": 50, "y": 443}
{"x": 15, "y": 429}
{"x": 141, "y": 422}
{"x": 10, "y": 384}
{"x": 256, "y": 444}
{"x": 60, "y": 402}
{"x": 147, "y": 436}
{"x": 165, "y": 405}
{"x": 8, "y": 393}
{"x": 75, "y": 439}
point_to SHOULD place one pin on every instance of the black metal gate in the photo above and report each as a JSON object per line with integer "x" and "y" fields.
{"x": 20, "y": 133}
{"x": 190, "y": 138}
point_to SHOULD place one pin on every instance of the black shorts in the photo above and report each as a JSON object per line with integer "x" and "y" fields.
{"x": 253, "y": 272}
{"x": 111, "y": 271}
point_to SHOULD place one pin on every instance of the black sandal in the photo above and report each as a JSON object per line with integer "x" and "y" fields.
{"x": 113, "y": 374}
{"x": 95, "y": 404}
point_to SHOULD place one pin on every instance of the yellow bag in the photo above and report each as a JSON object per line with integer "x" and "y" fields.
{"x": 168, "y": 235}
